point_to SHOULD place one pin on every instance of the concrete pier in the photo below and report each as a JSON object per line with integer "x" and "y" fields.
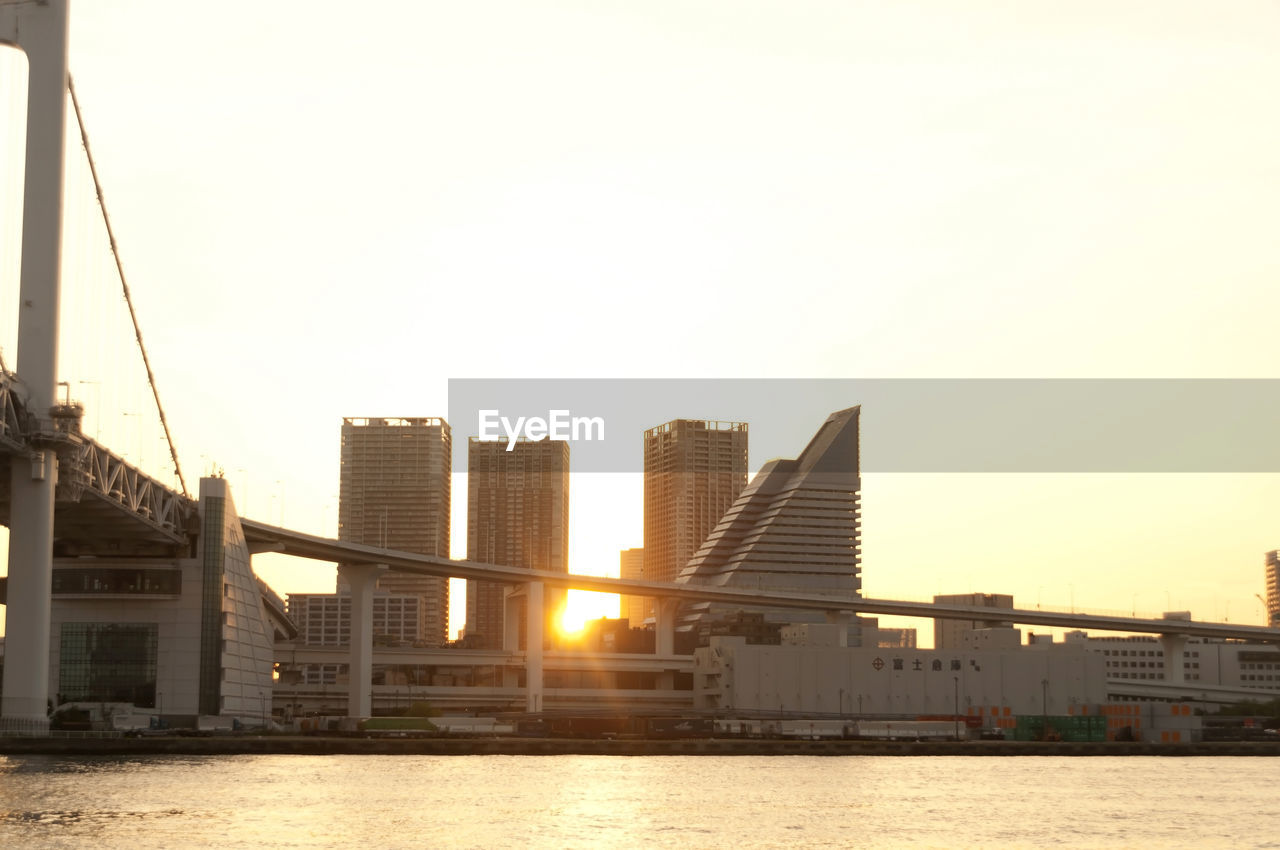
{"x": 40, "y": 31}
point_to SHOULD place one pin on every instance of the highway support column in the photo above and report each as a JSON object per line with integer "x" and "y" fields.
{"x": 363, "y": 580}
{"x": 535, "y": 619}
{"x": 1173, "y": 645}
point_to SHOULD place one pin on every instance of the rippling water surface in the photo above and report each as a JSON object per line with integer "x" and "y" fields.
{"x": 613, "y": 801}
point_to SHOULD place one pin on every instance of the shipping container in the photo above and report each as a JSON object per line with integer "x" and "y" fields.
{"x": 1060, "y": 727}
{"x": 906, "y": 730}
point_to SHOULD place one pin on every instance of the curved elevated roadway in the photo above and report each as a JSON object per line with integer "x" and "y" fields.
{"x": 265, "y": 537}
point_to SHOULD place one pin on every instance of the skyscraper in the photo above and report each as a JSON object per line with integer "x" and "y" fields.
{"x": 693, "y": 471}
{"x": 517, "y": 515}
{"x": 795, "y": 529}
{"x": 1273, "y": 587}
{"x": 394, "y": 492}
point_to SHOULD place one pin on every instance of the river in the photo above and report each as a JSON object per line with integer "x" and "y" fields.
{"x": 652, "y": 801}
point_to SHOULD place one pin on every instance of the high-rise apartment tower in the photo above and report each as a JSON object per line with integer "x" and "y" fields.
{"x": 518, "y": 516}
{"x": 1273, "y": 587}
{"x": 693, "y": 472}
{"x": 394, "y": 492}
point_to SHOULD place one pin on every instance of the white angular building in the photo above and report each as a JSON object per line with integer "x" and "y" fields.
{"x": 794, "y": 529}
{"x": 186, "y": 634}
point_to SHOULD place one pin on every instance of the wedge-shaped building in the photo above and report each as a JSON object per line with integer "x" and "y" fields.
{"x": 185, "y": 636}
{"x": 794, "y": 529}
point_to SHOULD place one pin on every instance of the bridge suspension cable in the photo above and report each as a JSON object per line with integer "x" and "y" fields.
{"x": 115, "y": 253}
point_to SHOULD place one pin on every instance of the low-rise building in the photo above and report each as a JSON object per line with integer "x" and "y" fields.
{"x": 324, "y": 619}
{"x": 810, "y": 673}
{"x": 1205, "y": 661}
{"x": 949, "y": 634}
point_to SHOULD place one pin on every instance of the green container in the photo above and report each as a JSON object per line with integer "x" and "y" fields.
{"x": 1031, "y": 727}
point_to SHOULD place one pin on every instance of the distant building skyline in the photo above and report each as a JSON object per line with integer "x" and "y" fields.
{"x": 394, "y": 491}
{"x": 517, "y": 515}
{"x": 888, "y": 637}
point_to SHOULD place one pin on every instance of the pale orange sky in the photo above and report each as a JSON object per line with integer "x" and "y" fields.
{"x": 329, "y": 211}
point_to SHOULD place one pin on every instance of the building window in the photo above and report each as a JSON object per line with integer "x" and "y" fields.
{"x": 77, "y": 580}
{"x": 108, "y": 662}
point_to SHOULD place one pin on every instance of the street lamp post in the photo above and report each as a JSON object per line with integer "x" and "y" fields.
{"x": 955, "y": 680}
{"x": 125, "y": 442}
{"x": 97, "y": 414}
{"x": 1044, "y": 707}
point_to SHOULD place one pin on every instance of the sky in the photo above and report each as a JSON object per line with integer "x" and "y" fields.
{"x": 330, "y": 210}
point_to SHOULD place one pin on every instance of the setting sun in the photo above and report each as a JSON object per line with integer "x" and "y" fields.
{"x": 583, "y": 605}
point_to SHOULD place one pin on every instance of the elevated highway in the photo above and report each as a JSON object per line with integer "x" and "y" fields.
{"x": 361, "y": 564}
{"x": 273, "y": 538}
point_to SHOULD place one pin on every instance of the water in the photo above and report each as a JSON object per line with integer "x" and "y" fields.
{"x": 616, "y": 801}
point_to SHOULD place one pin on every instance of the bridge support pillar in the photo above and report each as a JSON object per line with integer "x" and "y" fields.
{"x": 664, "y": 626}
{"x": 1173, "y": 645}
{"x": 40, "y": 30}
{"x": 535, "y": 620}
{"x": 664, "y": 638}
{"x": 512, "y": 606}
{"x": 24, "y": 710}
{"x": 363, "y": 580}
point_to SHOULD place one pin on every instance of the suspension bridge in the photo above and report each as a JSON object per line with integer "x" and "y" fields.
{"x": 68, "y": 491}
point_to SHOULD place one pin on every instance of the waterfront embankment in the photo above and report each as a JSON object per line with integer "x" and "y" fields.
{"x": 458, "y": 745}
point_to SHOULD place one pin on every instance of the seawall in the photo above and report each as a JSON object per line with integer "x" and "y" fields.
{"x": 458, "y": 745}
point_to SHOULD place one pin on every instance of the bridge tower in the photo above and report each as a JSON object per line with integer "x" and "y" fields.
{"x": 40, "y": 31}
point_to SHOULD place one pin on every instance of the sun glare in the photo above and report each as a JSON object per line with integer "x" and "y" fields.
{"x": 584, "y": 605}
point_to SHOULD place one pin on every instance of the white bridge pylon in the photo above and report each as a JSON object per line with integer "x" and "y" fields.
{"x": 40, "y": 31}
